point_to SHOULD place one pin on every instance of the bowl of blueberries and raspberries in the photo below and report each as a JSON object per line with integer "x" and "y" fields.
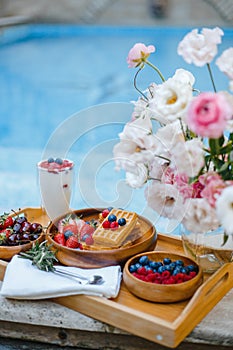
{"x": 17, "y": 234}
{"x": 161, "y": 276}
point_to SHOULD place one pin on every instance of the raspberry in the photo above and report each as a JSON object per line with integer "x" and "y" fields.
{"x": 150, "y": 277}
{"x": 192, "y": 274}
{"x": 142, "y": 271}
{"x": 105, "y": 213}
{"x": 165, "y": 274}
{"x": 106, "y": 224}
{"x": 114, "y": 225}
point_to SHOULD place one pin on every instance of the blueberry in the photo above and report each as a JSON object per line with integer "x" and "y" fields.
{"x": 179, "y": 262}
{"x": 122, "y": 221}
{"x": 68, "y": 233}
{"x": 169, "y": 267}
{"x": 50, "y": 160}
{"x": 112, "y": 218}
{"x": 154, "y": 265}
{"x": 172, "y": 265}
{"x": 110, "y": 208}
{"x": 192, "y": 268}
{"x": 143, "y": 260}
{"x": 59, "y": 161}
{"x": 132, "y": 268}
{"x": 184, "y": 270}
{"x": 176, "y": 271}
{"x": 138, "y": 266}
{"x": 167, "y": 261}
{"x": 161, "y": 269}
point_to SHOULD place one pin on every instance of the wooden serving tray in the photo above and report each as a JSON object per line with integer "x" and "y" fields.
{"x": 166, "y": 324}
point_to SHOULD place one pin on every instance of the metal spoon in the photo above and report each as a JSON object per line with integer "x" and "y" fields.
{"x": 94, "y": 279}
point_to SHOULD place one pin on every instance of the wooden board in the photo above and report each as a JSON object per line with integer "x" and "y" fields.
{"x": 166, "y": 324}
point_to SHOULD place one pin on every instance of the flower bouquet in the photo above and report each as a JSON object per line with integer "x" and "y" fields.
{"x": 179, "y": 141}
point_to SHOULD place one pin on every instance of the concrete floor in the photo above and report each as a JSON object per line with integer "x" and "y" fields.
{"x": 120, "y": 12}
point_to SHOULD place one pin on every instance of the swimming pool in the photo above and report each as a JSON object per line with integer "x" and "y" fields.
{"x": 55, "y": 74}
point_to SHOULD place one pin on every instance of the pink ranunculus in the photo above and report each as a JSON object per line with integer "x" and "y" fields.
{"x": 138, "y": 54}
{"x": 213, "y": 186}
{"x": 181, "y": 181}
{"x": 208, "y": 114}
{"x": 197, "y": 189}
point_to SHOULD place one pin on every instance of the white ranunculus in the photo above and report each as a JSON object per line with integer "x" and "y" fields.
{"x": 139, "y": 108}
{"x": 199, "y": 216}
{"x": 127, "y": 155}
{"x": 224, "y": 209}
{"x": 167, "y": 137}
{"x": 184, "y": 76}
{"x": 122, "y": 152}
{"x": 138, "y": 178}
{"x": 139, "y": 131}
{"x": 188, "y": 157}
{"x": 200, "y": 48}
{"x": 231, "y": 85}
{"x": 171, "y": 100}
{"x": 225, "y": 62}
{"x": 165, "y": 199}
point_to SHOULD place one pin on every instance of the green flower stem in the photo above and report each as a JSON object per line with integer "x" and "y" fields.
{"x": 211, "y": 77}
{"x": 135, "y": 83}
{"x": 156, "y": 69}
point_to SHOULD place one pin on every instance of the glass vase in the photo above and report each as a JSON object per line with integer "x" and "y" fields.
{"x": 208, "y": 249}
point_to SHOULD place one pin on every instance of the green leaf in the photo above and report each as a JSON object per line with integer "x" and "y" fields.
{"x": 226, "y": 149}
{"x": 214, "y": 146}
{"x": 225, "y": 239}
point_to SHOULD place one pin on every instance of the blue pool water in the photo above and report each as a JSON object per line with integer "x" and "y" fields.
{"x": 73, "y": 82}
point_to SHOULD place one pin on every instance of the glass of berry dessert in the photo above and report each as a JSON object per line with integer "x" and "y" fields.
{"x": 56, "y": 178}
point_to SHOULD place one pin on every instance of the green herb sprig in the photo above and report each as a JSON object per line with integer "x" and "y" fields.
{"x": 41, "y": 255}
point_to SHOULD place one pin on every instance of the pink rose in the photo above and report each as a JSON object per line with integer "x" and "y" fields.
{"x": 138, "y": 54}
{"x": 208, "y": 114}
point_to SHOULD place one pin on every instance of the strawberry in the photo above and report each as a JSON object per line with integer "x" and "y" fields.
{"x": 71, "y": 227}
{"x": 6, "y": 221}
{"x": 89, "y": 240}
{"x": 86, "y": 230}
{"x": 60, "y": 238}
{"x": 72, "y": 242}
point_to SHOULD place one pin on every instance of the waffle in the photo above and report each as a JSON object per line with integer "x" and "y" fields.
{"x": 114, "y": 238}
{"x": 130, "y": 240}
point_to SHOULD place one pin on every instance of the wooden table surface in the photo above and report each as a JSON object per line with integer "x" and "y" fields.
{"x": 45, "y": 321}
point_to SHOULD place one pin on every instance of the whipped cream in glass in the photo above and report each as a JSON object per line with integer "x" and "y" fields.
{"x": 56, "y": 177}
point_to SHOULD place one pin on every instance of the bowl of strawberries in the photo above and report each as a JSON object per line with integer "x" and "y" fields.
{"x": 72, "y": 237}
{"x": 18, "y": 233}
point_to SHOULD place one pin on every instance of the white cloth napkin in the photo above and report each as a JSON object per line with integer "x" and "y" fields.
{"x": 22, "y": 280}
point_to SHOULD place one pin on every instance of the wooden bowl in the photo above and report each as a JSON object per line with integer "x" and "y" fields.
{"x": 102, "y": 258}
{"x": 7, "y": 252}
{"x": 162, "y": 293}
